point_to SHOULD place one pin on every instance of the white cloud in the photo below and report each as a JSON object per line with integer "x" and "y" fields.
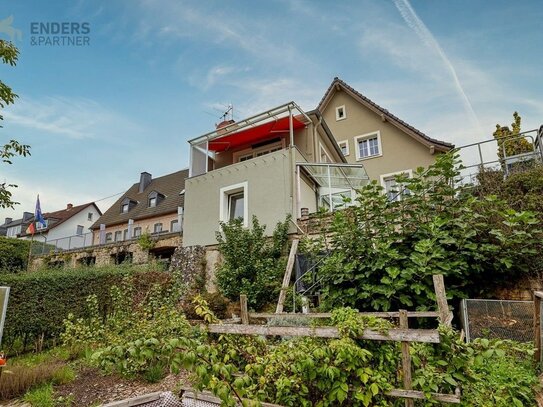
{"x": 74, "y": 118}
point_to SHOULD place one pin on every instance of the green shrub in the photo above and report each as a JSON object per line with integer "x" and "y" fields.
{"x": 252, "y": 264}
{"x": 217, "y": 303}
{"x": 40, "y": 301}
{"x": 13, "y": 254}
{"x": 384, "y": 253}
{"x": 132, "y": 338}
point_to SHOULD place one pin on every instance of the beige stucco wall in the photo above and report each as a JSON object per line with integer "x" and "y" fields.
{"x": 145, "y": 224}
{"x": 268, "y": 195}
{"x": 399, "y": 150}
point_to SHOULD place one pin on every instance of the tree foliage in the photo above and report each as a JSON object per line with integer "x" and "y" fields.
{"x": 384, "y": 253}
{"x": 9, "y": 55}
{"x": 252, "y": 263}
{"x": 509, "y": 140}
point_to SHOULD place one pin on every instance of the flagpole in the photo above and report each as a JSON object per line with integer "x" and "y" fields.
{"x": 30, "y": 252}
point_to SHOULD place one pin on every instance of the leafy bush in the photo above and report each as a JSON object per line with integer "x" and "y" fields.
{"x": 131, "y": 338}
{"x": 217, "y": 303}
{"x": 353, "y": 372}
{"x": 13, "y": 254}
{"x": 384, "y": 252}
{"x": 252, "y": 264}
{"x": 40, "y": 301}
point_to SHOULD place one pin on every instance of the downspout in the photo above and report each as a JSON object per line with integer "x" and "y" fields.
{"x": 293, "y": 193}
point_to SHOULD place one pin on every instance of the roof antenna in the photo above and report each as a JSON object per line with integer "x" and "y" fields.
{"x": 229, "y": 112}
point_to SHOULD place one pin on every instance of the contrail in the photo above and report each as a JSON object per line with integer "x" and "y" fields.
{"x": 414, "y": 22}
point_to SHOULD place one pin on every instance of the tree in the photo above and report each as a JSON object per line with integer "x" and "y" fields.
{"x": 506, "y": 138}
{"x": 9, "y": 54}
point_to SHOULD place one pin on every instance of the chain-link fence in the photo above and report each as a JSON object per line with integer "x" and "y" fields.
{"x": 502, "y": 319}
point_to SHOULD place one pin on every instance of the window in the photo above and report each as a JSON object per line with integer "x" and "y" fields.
{"x": 233, "y": 203}
{"x": 125, "y": 234}
{"x": 79, "y": 230}
{"x": 341, "y": 113}
{"x": 368, "y": 145}
{"x": 118, "y": 236}
{"x": 248, "y": 154}
{"x": 236, "y": 205}
{"x": 152, "y": 202}
{"x": 137, "y": 231}
{"x": 154, "y": 198}
{"x": 344, "y": 147}
{"x": 157, "y": 228}
{"x": 39, "y": 225}
{"x": 89, "y": 216}
{"x": 174, "y": 226}
{"x": 324, "y": 156}
{"x": 394, "y": 190}
{"x": 109, "y": 237}
{"x": 13, "y": 232}
{"x": 127, "y": 204}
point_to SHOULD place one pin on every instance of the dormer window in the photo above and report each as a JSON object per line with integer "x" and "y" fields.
{"x": 154, "y": 199}
{"x": 127, "y": 204}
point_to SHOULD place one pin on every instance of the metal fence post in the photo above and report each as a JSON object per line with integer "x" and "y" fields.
{"x": 537, "y": 325}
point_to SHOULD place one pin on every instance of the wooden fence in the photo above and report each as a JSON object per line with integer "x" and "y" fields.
{"x": 403, "y": 334}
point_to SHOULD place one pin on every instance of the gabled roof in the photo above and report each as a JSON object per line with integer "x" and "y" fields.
{"x": 170, "y": 186}
{"x": 57, "y": 218}
{"x": 337, "y": 84}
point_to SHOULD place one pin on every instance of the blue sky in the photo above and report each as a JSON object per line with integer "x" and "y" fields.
{"x": 159, "y": 72}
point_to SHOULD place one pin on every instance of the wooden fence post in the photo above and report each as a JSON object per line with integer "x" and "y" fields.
{"x": 537, "y": 325}
{"x": 244, "y": 313}
{"x": 286, "y": 277}
{"x": 445, "y": 316}
{"x": 406, "y": 359}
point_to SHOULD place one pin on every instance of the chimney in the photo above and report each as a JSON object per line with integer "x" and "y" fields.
{"x": 222, "y": 126}
{"x": 145, "y": 180}
{"x": 69, "y": 206}
{"x": 27, "y": 216}
{"x": 8, "y": 220}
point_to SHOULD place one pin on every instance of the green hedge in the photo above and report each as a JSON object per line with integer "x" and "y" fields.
{"x": 40, "y": 301}
{"x": 13, "y": 254}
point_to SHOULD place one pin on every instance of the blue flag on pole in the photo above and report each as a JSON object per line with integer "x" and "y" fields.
{"x": 38, "y": 217}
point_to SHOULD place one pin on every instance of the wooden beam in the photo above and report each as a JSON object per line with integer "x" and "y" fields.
{"x": 244, "y": 313}
{"x": 414, "y": 394}
{"x": 135, "y": 401}
{"x": 445, "y": 316}
{"x": 384, "y": 314}
{"x": 537, "y": 327}
{"x": 287, "y": 276}
{"x": 406, "y": 359}
{"x": 398, "y": 335}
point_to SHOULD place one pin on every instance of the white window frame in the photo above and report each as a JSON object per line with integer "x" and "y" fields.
{"x": 346, "y": 142}
{"x": 384, "y": 177}
{"x": 224, "y": 201}
{"x": 338, "y": 108}
{"x": 252, "y": 152}
{"x": 322, "y": 149}
{"x": 39, "y": 225}
{"x": 78, "y": 227}
{"x": 368, "y": 136}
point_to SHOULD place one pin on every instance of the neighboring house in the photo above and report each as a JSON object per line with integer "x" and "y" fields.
{"x": 66, "y": 228}
{"x": 13, "y": 228}
{"x": 152, "y": 206}
{"x": 370, "y": 135}
{"x": 280, "y": 162}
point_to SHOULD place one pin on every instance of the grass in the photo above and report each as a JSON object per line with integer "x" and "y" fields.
{"x": 154, "y": 373}
{"x": 41, "y": 396}
{"x": 24, "y": 374}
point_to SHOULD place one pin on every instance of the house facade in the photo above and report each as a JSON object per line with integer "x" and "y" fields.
{"x": 370, "y": 135}
{"x": 280, "y": 162}
{"x": 66, "y": 228}
{"x": 152, "y": 205}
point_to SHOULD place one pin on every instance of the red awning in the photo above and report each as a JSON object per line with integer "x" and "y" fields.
{"x": 256, "y": 134}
